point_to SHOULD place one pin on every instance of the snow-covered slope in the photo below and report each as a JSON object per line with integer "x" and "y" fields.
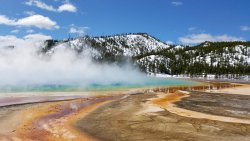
{"x": 112, "y": 48}
{"x": 132, "y": 44}
{"x": 129, "y": 45}
{"x": 154, "y": 56}
{"x": 230, "y": 56}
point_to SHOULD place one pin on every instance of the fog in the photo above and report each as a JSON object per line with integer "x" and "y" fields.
{"x": 22, "y": 66}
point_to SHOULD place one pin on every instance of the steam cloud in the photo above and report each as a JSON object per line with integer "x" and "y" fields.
{"x": 23, "y": 66}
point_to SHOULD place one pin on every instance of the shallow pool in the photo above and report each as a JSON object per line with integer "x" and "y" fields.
{"x": 148, "y": 82}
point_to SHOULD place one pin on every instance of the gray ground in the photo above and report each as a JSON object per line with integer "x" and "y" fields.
{"x": 229, "y": 105}
{"x": 123, "y": 121}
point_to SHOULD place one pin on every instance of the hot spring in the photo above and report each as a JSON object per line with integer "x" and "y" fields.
{"x": 22, "y": 69}
{"x": 148, "y": 82}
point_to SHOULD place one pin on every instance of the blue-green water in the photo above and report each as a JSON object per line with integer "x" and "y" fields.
{"x": 149, "y": 82}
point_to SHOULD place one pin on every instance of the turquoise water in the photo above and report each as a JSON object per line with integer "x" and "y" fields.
{"x": 149, "y": 82}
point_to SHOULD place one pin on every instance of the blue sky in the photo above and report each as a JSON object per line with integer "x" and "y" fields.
{"x": 178, "y": 21}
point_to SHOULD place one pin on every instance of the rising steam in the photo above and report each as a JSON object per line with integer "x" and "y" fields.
{"x": 23, "y": 66}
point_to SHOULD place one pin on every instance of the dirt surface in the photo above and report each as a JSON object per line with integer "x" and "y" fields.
{"x": 156, "y": 114}
{"x": 242, "y": 90}
{"x": 10, "y": 117}
{"x": 48, "y": 121}
{"x": 229, "y": 105}
{"x": 134, "y": 118}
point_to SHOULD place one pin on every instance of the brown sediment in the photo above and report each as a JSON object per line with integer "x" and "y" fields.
{"x": 10, "y": 99}
{"x": 193, "y": 115}
{"x": 174, "y": 104}
{"x": 57, "y": 129}
{"x": 244, "y": 89}
{"x": 207, "y": 86}
{"x": 26, "y": 131}
{"x": 166, "y": 99}
{"x": 232, "y": 108}
{"x": 10, "y": 118}
{"x": 57, "y": 122}
{"x": 54, "y": 120}
{"x": 126, "y": 119}
{"x": 138, "y": 117}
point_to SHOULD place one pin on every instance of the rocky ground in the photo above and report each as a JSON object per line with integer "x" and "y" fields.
{"x": 175, "y": 114}
{"x": 137, "y": 118}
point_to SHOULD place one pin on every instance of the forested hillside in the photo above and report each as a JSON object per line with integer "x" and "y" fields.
{"x": 153, "y": 56}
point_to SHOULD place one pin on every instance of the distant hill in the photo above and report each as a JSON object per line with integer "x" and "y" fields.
{"x": 153, "y": 56}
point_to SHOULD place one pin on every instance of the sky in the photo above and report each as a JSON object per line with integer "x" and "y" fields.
{"x": 172, "y": 21}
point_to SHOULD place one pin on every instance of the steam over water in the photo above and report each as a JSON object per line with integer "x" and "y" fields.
{"x": 22, "y": 68}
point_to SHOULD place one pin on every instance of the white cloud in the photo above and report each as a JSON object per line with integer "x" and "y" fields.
{"x": 29, "y": 13}
{"x": 37, "y": 37}
{"x": 68, "y": 7}
{"x": 245, "y": 28}
{"x": 192, "y": 28}
{"x": 38, "y": 21}
{"x": 195, "y": 30}
{"x": 6, "y": 21}
{"x": 199, "y": 38}
{"x": 177, "y": 3}
{"x": 30, "y": 31}
{"x": 15, "y": 31}
{"x": 169, "y": 42}
{"x": 40, "y": 4}
{"x": 78, "y": 30}
{"x": 30, "y": 40}
{"x": 73, "y": 30}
